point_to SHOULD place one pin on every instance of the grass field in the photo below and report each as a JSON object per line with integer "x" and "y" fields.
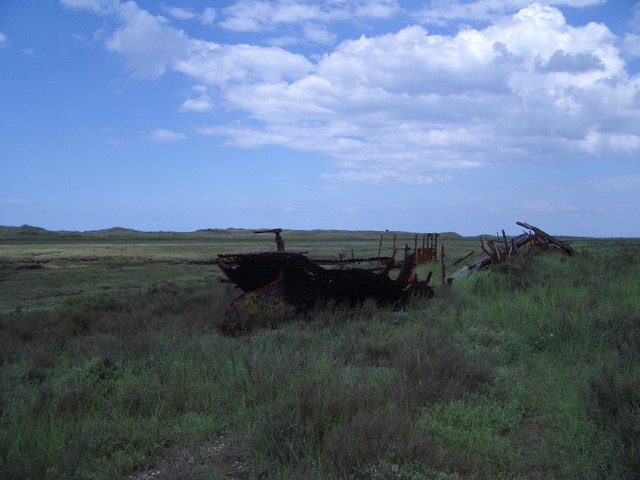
{"x": 112, "y": 366}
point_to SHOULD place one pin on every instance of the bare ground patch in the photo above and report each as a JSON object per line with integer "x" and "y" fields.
{"x": 221, "y": 458}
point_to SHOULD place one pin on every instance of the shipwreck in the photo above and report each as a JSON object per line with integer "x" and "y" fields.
{"x": 277, "y": 282}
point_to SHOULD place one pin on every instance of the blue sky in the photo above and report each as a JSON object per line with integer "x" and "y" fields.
{"x": 422, "y": 116}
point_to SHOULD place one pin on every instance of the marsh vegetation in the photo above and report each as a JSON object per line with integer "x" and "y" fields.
{"x": 113, "y": 366}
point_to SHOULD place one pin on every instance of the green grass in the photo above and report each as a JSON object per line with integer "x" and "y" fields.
{"x": 110, "y": 369}
{"x": 39, "y": 271}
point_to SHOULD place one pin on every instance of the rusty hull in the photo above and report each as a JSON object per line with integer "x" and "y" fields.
{"x": 303, "y": 281}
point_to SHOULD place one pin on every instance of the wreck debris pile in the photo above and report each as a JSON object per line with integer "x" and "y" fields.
{"x": 278, "y": 282}
{"x": 497, "y": 251}
{"x": 275, "y": 281}
{"x": 429, "y": 250}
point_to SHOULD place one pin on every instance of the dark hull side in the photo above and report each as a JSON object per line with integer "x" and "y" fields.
{"x": 303, "y": 282}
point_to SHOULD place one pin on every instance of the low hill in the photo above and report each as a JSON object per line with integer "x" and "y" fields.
{"x": 24, "y": 230}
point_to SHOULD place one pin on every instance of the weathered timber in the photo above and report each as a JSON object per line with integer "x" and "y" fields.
{"x": 498, "y": 251}
{"x": 563, "y": 245}
{"x": 464, "y": 258}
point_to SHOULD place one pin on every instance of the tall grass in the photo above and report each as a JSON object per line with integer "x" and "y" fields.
{"x": 525, "y": 371}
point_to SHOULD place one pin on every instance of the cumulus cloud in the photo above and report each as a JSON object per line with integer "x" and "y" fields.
{"x": 148, "y": 42}
{"x": 261, "y": 15}
{"x": 4, "y": 41}
{"x": 179, "y": 12}
{"x": 601, "y": 142}
{"x": 164, "y": 135}
{"x": 406, "y": 106}
{"x": 202, "y": 102}
{"x": 151, "y": 46}
{"x": 303, "y": 21}
{"x": 217, "y": 64}
{"x": 525, "y": 88}
{"x": 207, "y": 16}
{"x": 318, "y": 34}
{"x": 256, "y": 15}
{"x": 439, "y": 12}
{"x": 563, "y": 62}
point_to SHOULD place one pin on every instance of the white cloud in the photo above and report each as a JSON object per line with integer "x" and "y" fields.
{"x": 214, "y": 64}
{"x": 207, "y": 16}
{"x": 164, "y": 135}
{"x": 440, "y": 12}
{"x": 318, "y": 34}
{"x": 376, "y": 9}
{"x": 4, "y": 41}
{"x": 599, "y": 142}
{"x": 151, "y": 45}
{"x": 201, "y": 103}
{"x": 257, "y": 15}
{"x": 264, "y": 15}
{"x": 179, "y": 12}
{"x": 407, "y": 106}
{"x": 526, "y": 88}
{"x": 148, "y": 42}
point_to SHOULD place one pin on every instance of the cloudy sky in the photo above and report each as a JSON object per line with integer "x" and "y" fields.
{"x": 422, "y": 116}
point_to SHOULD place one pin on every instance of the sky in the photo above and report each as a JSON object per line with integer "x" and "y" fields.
{"x": 421, "y": 116}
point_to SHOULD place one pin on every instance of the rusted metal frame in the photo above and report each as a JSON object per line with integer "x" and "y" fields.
{"x": 278, "y": 240}
{"x": 429, "y": 251}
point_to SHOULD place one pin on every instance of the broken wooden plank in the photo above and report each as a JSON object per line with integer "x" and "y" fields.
{"x": 549, "y": 239}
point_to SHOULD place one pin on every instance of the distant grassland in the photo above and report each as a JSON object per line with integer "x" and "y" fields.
{"x": 112, "y": 365}
{"x": 39, "y": 269}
